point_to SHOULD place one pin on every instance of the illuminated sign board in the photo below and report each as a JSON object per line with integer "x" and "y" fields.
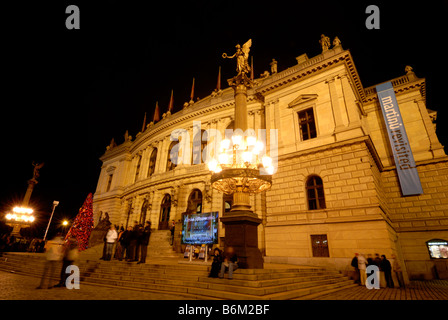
{"x": 200, "y": 228}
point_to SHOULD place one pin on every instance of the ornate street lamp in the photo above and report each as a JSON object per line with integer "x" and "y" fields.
{"x": 22, "y": 216}
{"x": 239, "y": 170}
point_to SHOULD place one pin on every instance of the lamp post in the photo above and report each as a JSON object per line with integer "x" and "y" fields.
{"x": 241, "y": 171}
{"x": 55, "y": 204}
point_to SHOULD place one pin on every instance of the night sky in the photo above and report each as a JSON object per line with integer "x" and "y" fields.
{"x": 67, "y": 93}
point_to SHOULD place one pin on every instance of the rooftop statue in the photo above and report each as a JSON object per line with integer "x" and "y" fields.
{"x": 242, "y": 55}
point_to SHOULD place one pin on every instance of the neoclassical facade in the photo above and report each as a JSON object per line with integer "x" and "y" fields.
{"x": 335, "y": 191}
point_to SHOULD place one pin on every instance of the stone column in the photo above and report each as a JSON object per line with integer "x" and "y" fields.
{"x": 350, "y": 104}
{"x": 337, "y": 112}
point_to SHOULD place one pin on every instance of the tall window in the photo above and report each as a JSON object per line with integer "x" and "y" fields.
{"x": 137, "y": 170}
{"x": 172, "y": 156}
{"x": 307, "y": 124}
{"x": 152, "y": 162}
{"x": 195, "y": 202}
{"x": 319, "y": 245}
{"x": 315, "y": 193}
{"x": 165, "y": 209}
{"x": 199, "y": 143}
{"x": 109, "y": 182}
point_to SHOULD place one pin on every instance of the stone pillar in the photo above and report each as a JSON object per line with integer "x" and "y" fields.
{"x": 337, "y": 112}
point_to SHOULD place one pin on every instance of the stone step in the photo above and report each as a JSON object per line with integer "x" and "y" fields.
{"x": 191, "y": 279}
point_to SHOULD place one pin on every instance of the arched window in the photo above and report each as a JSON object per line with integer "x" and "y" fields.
{"x": 195, "y": 202}
{"x": 227, "y": 200}
{"x": 152, "y": 162}
{"x": 165, "y": 209}
{"x": 199, "y": 143}
{"x": 315, "y": 193}
{"x": 172, "y": 156}
{"x": 137, "y": 170}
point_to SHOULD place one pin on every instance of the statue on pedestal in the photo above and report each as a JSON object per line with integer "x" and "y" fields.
{"x": 242, "y": 55}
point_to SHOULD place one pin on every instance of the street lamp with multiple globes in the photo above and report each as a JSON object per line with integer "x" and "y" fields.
{"x": 239, "y": 170}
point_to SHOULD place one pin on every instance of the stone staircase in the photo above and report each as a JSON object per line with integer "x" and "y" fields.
{"x": 191, "y": 280}
{"x": 159, "y": 245}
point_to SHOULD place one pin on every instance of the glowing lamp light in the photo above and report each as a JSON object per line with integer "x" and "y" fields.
{"x": 251, "y": 141}
{"x": 267, "y": 161}
{"x": 223, "y": 158}
{"x": 212, "y": 165}
{"x": 247, "y": 157}
{"x": 237, "y": 139}
{"x": 225, "y": 144}
{"x": 270, "y": 170}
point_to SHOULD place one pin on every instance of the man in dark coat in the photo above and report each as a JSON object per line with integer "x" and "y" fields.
{"x": 387, "y": 269}
{"x": 144, "y": 240}
{"x": 354, "y": 264}
{"x": 125, "y": 241}
{"x": 133, "y": 244}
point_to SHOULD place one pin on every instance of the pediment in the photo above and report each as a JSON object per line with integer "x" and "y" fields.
{"x": 302, "y": 99}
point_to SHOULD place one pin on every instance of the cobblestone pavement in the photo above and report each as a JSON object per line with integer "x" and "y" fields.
{"x": 21, "y": 287}
{"x": 417, "y": 290}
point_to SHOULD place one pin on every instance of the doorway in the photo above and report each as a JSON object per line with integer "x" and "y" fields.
{"x": 165, "y": 209}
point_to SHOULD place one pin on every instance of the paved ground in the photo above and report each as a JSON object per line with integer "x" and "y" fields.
{"x": 22, "y": 287}
{"x": 417, "y": 290}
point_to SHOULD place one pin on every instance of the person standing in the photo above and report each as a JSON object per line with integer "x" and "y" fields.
{"x": 69, "y": 256}
{"x": 133, "y": 244}
{"x": 54, "y": 252}
{"x": 387, "y": 269}
{"x": 144, "y": 240}
{"x": 111, "y": 237}
{"x": 362, "y": 269}
{"x": 354, "y": 264}
{"x": 398, "y": 272}
{"x": 125, "y": 240}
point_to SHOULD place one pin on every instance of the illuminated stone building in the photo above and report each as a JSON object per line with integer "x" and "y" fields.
{"x": 336, "y": 190}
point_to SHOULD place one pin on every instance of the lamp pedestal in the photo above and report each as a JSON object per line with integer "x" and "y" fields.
{"x": 242, "y": 235}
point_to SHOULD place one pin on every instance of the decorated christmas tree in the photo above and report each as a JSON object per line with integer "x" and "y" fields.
{"x": 83, "y": 224}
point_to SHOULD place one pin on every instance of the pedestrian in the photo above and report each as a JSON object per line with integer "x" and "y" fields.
{"x": 229, "y": 263}
{"x": 54, "y": 252}
{"x": 397, "y": 269}
{"x": 216, "y": 264}
{"x": 70, "y": 254}
{"x": 119, "y": 247}
{"x": 362, "y": 269}
{"x": 133, "y": 245}
{"x": 125, "y": 241}
{"x": 387, "y": 269}
{"x": 173, "y": 226}
{"x": 111, "y": 237}
{"x": 370, "y": 260}
{"x": 144, "y": 240}
{"x": 354, "y": 264}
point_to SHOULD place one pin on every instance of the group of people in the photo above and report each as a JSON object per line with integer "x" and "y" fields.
{"x": 9, "y": 243}
{"x": 222, "y": 262}
{"x": 360, "y": 263}
{"x": 130, "y": 244}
